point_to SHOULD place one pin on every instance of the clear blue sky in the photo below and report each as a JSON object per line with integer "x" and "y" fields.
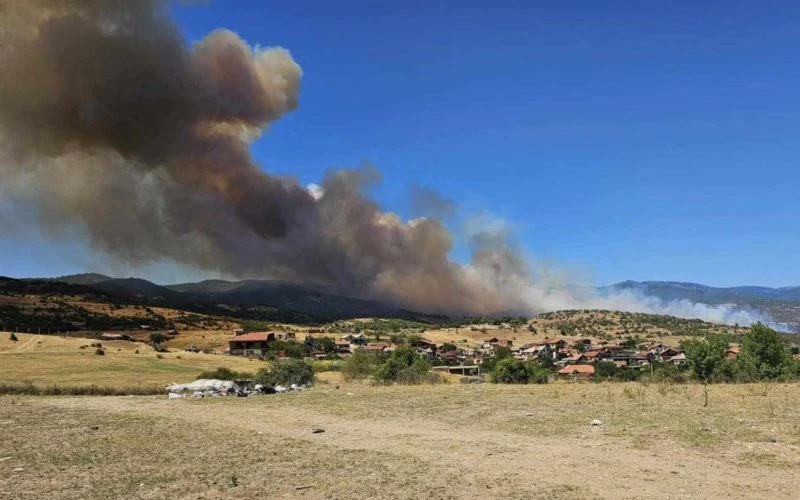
{"x": 636, "y": 140}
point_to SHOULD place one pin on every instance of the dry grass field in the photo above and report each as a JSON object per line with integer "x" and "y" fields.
{"x": 445, "y": 441}
{"x": 49, "y": 359}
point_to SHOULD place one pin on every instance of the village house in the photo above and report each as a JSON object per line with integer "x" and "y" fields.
{"x": 358, "y": 339}
{"x": 343, "y": 347}
{"x": 581, "y": 372}
{"x": 678, "y": 360}
{"x": 377, "y": 347}
{"x": 494, "y": 343}
{"x": 250, "y": 344}
{"x": 668, "y": 353}
{"x": 574, "y": 359}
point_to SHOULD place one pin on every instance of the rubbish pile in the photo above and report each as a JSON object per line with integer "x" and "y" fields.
{"x": 205, "y": 387}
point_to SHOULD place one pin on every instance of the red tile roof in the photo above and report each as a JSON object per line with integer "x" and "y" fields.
{"x": 570, "y": 369}
{"x": 253, "y": 337}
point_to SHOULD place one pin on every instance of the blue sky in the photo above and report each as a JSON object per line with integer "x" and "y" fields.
{"x": 623, "y": 139}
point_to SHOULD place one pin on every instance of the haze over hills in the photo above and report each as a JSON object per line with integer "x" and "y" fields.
{"x": 675, "y": 290}
{"x": 243, "y": 297}
{"x": 780, "y": 304}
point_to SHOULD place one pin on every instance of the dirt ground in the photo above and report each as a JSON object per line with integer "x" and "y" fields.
{"x": 446, "y": 441}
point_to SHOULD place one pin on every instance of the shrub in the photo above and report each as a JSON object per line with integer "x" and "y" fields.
{"x": 515, "y": 371}
{"x": 99, "y": 351}
{"x": 13, "y": 338}
{"x": 510, "y": 371}
{"x": 538, "y": 373}
{"x": 359, "y": 365}
{"x": 226, "y": 374}
{"x": 404, "y": 366}
{"x": 157, "y": 338}
{"x": 289, "y": 348}
{"x": 286, "y": 372}
{"x": 605, "y": 370}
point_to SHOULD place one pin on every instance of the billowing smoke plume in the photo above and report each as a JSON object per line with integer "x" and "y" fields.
{"x": 108, "y": 120}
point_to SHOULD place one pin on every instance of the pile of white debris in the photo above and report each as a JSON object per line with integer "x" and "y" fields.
{"x": 206, "y": 387}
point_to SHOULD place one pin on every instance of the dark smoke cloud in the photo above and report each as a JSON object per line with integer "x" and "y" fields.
{"x": 111, "y": 124}
{"x": 109, "y": 120}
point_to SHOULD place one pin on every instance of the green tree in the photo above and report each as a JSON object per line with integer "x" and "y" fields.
{"x": 156, "y": 339}
{"x": 286, "y": 372}
{"x": 359, "y": 365}
{"x": 290, "y": 349}
{"x": 538, "y": 373}
{"x": 764, "y": 352}
{"x": 13, "y": 337}
{"x": 448, "y": 347}
{"x": 510, "y": 371}
{"x": 704, "y": 356}
{"x": 403, "y": 365}
{"x": 326, "y": 345}
{"x": 605, "y": 370}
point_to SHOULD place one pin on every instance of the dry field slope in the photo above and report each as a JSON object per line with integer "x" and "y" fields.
{"x": 409, "y": 442}
{"x": 49, "y": 359}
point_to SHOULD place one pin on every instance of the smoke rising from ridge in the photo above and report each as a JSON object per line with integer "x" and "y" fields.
{"x": 110, "y": 121}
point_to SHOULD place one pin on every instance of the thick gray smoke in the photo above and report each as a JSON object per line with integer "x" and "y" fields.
{"x": 110, "y": 122}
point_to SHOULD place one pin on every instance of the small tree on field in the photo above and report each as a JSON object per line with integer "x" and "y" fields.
{"x": 13, "y": 338}
{"x": 157, "y": 338}
{"x": 403, "y": 366}
{"x": 704, "y": 356}
{"x": 510, "y": 371}
{"x": 763, "y": 352}
{"x": 286, "y": 372}
{"x": 359, "y": 365}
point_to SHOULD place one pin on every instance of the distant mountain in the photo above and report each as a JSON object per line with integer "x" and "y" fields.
{"x": 671, "y": 290}
{"x": 249, "y": 298}
{"x": 82, "y": 279}
{"x": 139, "y": 288}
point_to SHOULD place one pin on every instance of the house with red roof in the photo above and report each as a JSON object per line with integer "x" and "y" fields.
{"x": 583, "y": 372}
{"x": 250, "y": 344}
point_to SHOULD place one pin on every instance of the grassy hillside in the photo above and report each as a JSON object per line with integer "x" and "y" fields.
{"x": 593, "y": 324}
{"x": 50, "y": 359}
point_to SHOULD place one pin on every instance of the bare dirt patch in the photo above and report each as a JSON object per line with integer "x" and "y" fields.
{"x": 409, "y": 442}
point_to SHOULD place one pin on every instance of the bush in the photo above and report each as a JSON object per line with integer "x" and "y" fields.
{"x": 515, "y": 371}
{"x": 538, "y": 373}
{"x": 359, "y": 366}
{"x": 14, "y": 338}
{"x": 157, "y": 338}
{"x": 99, "y": 351}
{"x": 286, "y": 372}
{"x": 226, "y": 374}
{"x": 289, "y": 348}
{"x": 404, "y": 366}
{"x": 510, "y": 371}
{"x": 605, "y": 370}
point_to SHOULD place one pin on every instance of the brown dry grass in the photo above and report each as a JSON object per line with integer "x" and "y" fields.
{"x": 451, "y": 441}
{"x": 49, "y": 359}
